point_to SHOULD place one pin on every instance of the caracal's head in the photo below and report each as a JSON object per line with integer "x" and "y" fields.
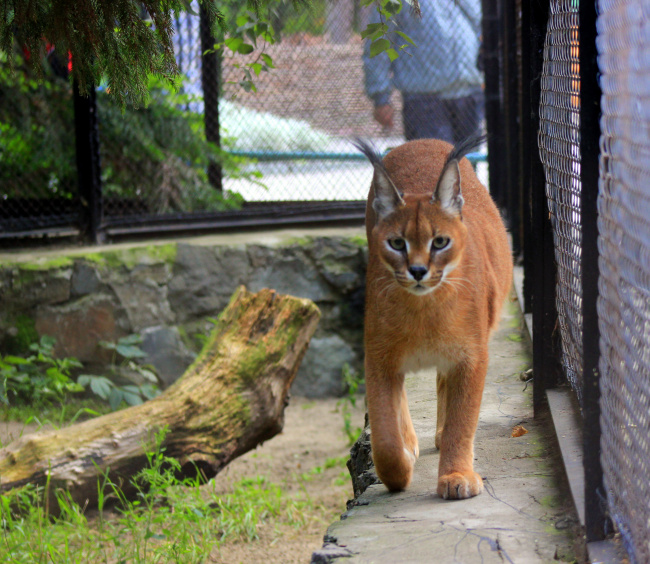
{"x": 418, "y": 232}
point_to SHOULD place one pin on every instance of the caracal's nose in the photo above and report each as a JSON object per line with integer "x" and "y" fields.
{"x": 418, "y": 272}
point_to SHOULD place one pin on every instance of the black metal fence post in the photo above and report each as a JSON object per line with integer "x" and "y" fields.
{"x": 492, "y": 71}
{"x": 511, "y": 87}
{"x": 88, "y": 164}
{"x": 545, "y": 364}
{"x": 210, "y": 82}
{"x": 590, "y": 94}
{"x": 525, "y": 148}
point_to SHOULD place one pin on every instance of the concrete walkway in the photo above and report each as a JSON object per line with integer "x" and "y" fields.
{"x": 523, "y": 516}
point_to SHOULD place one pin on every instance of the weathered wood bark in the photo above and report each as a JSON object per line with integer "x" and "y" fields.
{"x": 230, "y": 400}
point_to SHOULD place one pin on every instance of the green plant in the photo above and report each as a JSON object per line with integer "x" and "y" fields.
{"x": 154, "y": 159}
{"x": 352, "y": 381}
{"x": 40, "y": 378}
{"x": 169, "y": 520}
{"x": 127, "y": 348}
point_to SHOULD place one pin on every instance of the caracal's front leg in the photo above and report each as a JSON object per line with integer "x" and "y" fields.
{"x": 408, "y": 432}
{"x": 393, "y": 458}
{"x": 463, "y": 391}
{"x": 441, "y": 382}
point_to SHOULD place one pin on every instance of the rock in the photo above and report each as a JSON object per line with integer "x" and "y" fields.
{"x": 85, "y": 280}
{"x": 360, "y": 465}
{"x": 204, "y": 278}
{"x": 166, "y": 352}
{"x": 329, "y": 553}
{"x": 320, "y": 372}
{"x": 39, "y": 287}
{"x": 145, "y": 303}
{"x": 339, "y": 261}
{"x": 79, "y": 326}
{"x": 289, "y": 271}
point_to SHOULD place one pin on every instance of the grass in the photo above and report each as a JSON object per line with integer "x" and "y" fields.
{"x": 169, "y": 520}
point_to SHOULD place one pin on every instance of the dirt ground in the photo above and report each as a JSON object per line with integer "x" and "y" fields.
{"x": 313, "y": 433}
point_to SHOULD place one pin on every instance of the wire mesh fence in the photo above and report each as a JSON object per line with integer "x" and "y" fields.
{"x": 559, "y": 145}
{"x": 38, "y": 178}
{"x": 623, "y": 257}
{"x": 230, "y": 140}
{"x": 624, "y": 242}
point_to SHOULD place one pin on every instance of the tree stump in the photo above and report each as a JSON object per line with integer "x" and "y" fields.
{"x": 230, "y": 400}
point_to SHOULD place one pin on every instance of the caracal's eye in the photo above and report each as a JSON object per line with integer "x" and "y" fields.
{"x": 440, "y": 242}
{"x": 398, "y": 243}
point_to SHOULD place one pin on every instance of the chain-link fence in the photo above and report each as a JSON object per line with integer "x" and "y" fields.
{"x": 624, "y": 242}
{"x": 610, "y": 379}
{"x": 38, "y": 177}
{"x": 230, "y": 141}
{"x": 559, "y": 145}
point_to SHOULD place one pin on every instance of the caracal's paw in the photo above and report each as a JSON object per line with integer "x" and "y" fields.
{"x": 412, "y": 447}
{"x": 459, "y": 485}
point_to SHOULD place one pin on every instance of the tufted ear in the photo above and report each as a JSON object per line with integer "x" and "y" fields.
{"x": 387, "y": 196}
{"x": 447, "y": 192}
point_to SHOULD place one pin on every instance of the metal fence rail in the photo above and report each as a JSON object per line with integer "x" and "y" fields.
{"x": 624, "y": 242}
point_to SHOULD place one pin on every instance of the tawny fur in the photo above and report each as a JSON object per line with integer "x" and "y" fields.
{"x": 447, "y": 328}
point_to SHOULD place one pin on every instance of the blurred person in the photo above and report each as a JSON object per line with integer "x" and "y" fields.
{"x": 440, "y": 79}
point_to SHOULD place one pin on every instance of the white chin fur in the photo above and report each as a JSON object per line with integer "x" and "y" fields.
{"x": 421, "y": 290}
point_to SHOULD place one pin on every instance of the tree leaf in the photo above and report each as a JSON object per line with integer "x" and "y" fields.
{"x": 131, "y": 398}
{"x": 392, "y": 54}
{"x": 379, "y": 46}
{"x": 15, "y": 360}
{"x": 129, "y": 351}
{"x": 101, "y": 386}
{"x": 233, "y": 43}
{"x": 115, "y": 399}
{"x": 245, "y": 49}
{"x": 405, "y": 37}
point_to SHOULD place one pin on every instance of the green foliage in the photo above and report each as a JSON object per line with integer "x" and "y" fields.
{"x": 128, "y": 350}
{"x": 352, "y": 380}
{"x": 378, "y": 33}
{"x": 36, "y": 132}
{"x": 123, "y": 40}
{"x": 156, "y": 156}
{"x": 55, "y": 415}
{"x": 170, "y": 520}
{"x": 41, "y": 380}
{"x": 244, "y": 41}
{"x": 38, "y": 379}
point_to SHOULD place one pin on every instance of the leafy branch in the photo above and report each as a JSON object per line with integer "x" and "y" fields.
{"x": 379, "y": 33}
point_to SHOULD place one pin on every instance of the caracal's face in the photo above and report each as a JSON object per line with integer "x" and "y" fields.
{"x": 420, "y": 245}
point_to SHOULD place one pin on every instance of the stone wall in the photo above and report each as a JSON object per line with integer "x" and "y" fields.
{"x": 168, "y": 292}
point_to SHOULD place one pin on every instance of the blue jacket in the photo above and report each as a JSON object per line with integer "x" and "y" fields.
{"x": 447, "y": 40}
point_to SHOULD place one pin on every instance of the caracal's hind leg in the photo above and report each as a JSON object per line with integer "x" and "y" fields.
{"x": 441, "y": 383}
{"x": 463, "y": 392}
{"x": 408, "y": 432}
{"x": 393, "y": 460}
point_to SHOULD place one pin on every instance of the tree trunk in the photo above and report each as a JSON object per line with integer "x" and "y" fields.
{"x": 230, "y": 400}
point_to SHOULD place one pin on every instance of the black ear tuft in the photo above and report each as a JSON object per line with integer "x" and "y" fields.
{"x": 448, "y": 189}
{"x": 464, "y": 147}
{"x": 369, "y": 151}
{"x": 387, "y": 196}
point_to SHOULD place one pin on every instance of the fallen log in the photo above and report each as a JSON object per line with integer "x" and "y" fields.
{"x": 230, "y": 400}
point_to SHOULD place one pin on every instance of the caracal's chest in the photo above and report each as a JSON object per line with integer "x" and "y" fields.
{"x": 431, "y": 355}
